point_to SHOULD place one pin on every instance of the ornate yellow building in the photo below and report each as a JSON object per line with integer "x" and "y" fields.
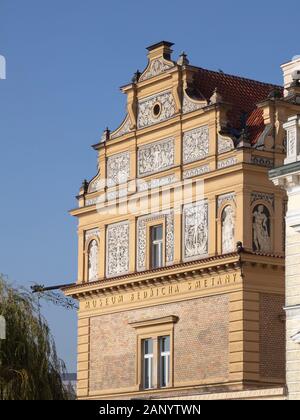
{"x": 181, "y": 241}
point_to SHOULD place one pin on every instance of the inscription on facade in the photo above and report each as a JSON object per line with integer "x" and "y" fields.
{"x": 149, "y": 294}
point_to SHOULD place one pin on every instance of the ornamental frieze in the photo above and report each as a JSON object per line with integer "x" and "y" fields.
{"x": 195, "y": 230}
{"x": 117, "y": 249}
{"x": 190, "y": 173}
{"x": 195, "y": 144}
{"x": 227, "y": 162}
{"x": 262, "y": 196}
{"x": 229, "y": 197}
{"x": 262, "y": 161}
{"x": 156, "y": 108}
{"x": 155, "y": 157}
{"x": 92, "y": 233}
{"x": 156, "y": 183}
{"x": 118, "y": 169}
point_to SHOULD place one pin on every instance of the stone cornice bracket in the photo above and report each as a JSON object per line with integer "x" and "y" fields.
{"x": 288, "y": 181}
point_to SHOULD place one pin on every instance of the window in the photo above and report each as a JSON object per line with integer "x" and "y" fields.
{"x": 156, "y": 110}
{"x": 164, "y": 361}
{"x": 156, "y": 237}
{"x": 148, "y": 363}
{"x": 155, "y": 350}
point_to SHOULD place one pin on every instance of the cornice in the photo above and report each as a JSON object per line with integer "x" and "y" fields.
{"x": 175, "y": 272}
{"x": 192, "y": 269}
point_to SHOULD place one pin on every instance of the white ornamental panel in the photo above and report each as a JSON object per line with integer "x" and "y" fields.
{"x": 118, "y": 168}
{"x": 195, "y": 144}
{"x": 117, "y": 249}
{"x": 164, "y": 103}
{"x": 195, "y": 230}
{"x": 155, "y": 157}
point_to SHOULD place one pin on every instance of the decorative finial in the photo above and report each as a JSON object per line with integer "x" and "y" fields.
{"x": 183, "y": 60}
{"x": 105, "y": 135}
{"x": 85, "y": 186}
{"x": 136, "y": 76}
{"x": 239, "y": 247}
{"x": 216, "y": 97}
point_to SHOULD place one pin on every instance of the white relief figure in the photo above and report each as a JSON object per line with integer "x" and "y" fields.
{"x": 261, "y": 229}
{"x": 93, "y": 261}
{"x": 195, "y": 144}
{"x": 156, "y": 157}
{"x": 196, "y": 230}
{"x": 227, "y": 230}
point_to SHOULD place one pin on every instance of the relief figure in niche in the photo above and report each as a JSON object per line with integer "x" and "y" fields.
{"x": 227, "y": 229}
{"x": 261, "y": 229}
{"x": 93, "y": 261}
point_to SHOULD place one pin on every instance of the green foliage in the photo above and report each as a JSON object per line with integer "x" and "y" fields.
{"x": 29, "y": 366}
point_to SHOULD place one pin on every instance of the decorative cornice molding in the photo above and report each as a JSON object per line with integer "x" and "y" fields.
{"x": 172, "y": 319}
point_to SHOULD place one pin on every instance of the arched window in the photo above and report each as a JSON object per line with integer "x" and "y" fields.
{"x": 228, "y": 230}
{"x": 93, "y": 261}
{"x": 261, "y": 224}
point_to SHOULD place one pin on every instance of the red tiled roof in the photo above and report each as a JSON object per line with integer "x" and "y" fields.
{"x": 244, "y": 94}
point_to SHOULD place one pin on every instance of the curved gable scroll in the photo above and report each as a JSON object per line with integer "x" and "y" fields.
{"x": 124, "y": 128}
{"x": 96, "y": 183}
{"x": 189, "y": 104}
{"x": 156, "y": 67}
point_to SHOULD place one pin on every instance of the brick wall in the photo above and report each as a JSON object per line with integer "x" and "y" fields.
{"x": 200, "y": 341}
{"x": 272, "y": 336}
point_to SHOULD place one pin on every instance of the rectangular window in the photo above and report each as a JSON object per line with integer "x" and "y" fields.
{"x": 148, "y": 363}
{"x": 164, "y": 361}
{"x": 156, "y": 237}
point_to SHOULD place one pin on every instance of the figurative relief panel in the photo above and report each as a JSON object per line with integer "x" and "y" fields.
{"x": 261, "y": 224}
{"x": 195, "y": 230}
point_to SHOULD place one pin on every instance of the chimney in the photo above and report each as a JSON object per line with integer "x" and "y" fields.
{"x": 161, "y": 49}
{"x": 288, "y": 70}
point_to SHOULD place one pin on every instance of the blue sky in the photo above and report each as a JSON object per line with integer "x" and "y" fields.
{"x": 66, "y": 60}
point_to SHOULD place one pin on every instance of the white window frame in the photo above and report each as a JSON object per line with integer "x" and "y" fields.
{"x": 166, "y": 356}
{"x": 157, "y": 243}
{"x": 148, "y": 358}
